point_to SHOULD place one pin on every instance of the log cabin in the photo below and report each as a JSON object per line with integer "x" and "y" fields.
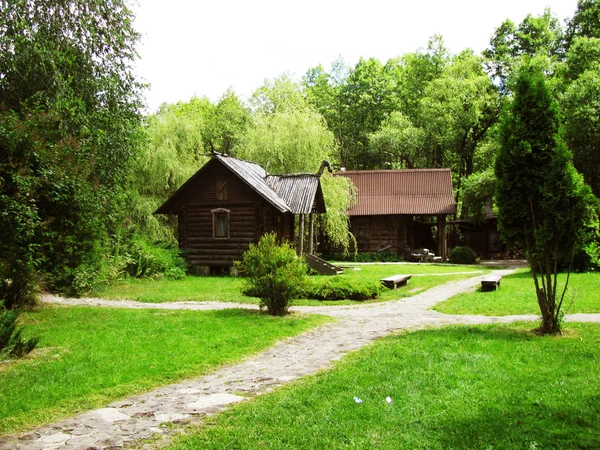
{"x": 230, "y": 203}
{"x": 401, "y": 210}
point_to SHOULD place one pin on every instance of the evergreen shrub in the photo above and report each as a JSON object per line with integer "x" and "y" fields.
{"x": 463, "y": 255}
{"x": 273, "y": 273}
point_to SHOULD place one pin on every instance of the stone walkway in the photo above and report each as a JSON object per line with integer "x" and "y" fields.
{"x": 126, "y": 422}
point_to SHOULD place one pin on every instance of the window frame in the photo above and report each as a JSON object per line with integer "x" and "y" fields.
{"x": 216, "y": 215}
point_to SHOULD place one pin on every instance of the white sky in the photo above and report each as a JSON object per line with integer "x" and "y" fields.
{"x": 204, "y": 47}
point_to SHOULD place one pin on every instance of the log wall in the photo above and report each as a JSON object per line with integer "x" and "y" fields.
{"x": 250, "y": 216}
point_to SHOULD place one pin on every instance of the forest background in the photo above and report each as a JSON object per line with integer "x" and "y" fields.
{"x": 82, "y": 169}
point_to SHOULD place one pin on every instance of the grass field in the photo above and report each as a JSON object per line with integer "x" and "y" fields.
{"x": 89, "y": 357}
{"x": 484, "y": 387}
{"x": 516, "y": 295}
{"x": 228, "y": 289}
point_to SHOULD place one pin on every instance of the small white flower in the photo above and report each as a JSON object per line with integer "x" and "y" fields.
{"x": 357, "y": 400}
{"x": 388, "y": 399}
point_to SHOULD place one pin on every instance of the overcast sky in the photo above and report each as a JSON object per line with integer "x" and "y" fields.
{"x": 204, "y": 47}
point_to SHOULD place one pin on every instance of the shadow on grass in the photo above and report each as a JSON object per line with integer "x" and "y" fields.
{"x": 532, "y": 426}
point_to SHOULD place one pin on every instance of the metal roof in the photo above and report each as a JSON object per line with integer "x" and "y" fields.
{"x": 409, "y": 191}
{"x": 254, "y": 176}
{"x": 297, "y": 191}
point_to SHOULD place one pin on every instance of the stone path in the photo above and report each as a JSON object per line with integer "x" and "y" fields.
{"x": 126, "y": 422}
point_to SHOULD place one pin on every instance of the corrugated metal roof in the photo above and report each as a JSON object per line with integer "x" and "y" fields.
{"x": 409, "y": 191}
{"x": 298, "y": 191}
{"x": 254, "y": 176}
{"x": 295, "y": 193}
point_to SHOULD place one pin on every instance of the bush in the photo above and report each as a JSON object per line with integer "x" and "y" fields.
{"x": 12, "y": 344}
{"x": 385, "y": 256}
{"x": 145, "y": 259}
{"x": 463, "y": 255}
{"x": 274, "y": 274}
{"x": 336, "y": 288}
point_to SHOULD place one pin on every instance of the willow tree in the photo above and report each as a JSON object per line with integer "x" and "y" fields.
{"x": 542, "y": 200}
{"x": 290, "y": 136}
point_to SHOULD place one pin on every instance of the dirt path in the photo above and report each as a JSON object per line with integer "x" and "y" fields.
{"x": 145, "y": 415}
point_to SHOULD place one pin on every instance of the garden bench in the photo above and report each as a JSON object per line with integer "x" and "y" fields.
{"x": 395, "y": 281}
{"x": 490, "y": 283}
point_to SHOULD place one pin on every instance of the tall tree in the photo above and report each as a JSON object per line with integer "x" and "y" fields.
{"x": 585, "y": 22}
{"x": 579, "y": 84}
{"x": 540, "y": 36}
{"x": 290, "y": 136}
{"x": 68, "y": 131}
{"x": 542, "y": 201}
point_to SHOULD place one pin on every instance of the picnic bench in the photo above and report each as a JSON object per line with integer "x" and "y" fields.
{"x": 490, "y": 283}
{"x": 395, "y": 280}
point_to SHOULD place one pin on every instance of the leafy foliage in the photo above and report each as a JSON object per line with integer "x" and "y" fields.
{"x": 477, "y": 196}
{"x": 335, "y": 288}
{"x": 12, "y": 343}
{"x": 274, "y": 274}
{"x": 68, "y": 134}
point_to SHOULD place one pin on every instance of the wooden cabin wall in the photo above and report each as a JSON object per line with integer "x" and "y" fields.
{"x": 250, "y": 216}
{"x": 374, "y": 233}
{"x": 395, "y": 233}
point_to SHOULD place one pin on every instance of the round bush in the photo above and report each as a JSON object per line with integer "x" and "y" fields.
{"x": 463, "y": 255}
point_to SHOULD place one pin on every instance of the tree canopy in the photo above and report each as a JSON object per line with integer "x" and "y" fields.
{"x": 68, "y": 135}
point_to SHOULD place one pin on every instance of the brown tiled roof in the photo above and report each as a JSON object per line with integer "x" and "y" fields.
{"x": 409, "y": 191}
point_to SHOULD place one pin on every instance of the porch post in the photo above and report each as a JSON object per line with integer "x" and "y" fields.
{"x": 300, "y": 234}
{"x": 442, "y": 245}
{"x": 311, "y": 232}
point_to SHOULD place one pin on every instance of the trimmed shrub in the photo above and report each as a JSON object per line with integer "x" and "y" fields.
{"x": 274, "y": 274}
{"x": 12, "y": 344}
{"x": 336, "y": 288}
{"x": 463, "y": 255}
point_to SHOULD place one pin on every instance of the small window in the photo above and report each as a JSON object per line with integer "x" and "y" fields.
{"x": 363, "y": 227}
{"x": 222, "y": 193}
{"x": 220, "y": 223}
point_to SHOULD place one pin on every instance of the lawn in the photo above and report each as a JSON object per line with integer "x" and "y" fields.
{"x": 228, "y": 288}
{"x": 477, "y": 387}
{"x": 516, "y": 295}
{"x": 89, "y": 357}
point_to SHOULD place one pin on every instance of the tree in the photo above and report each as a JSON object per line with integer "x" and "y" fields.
{"x": 68, "y": 135}
{"x": 540, "y": 36}
{"x": 579, "y": 86}
{"x": 584, "y": 23}
{"x": 542, "y": 201}
{"x": 290, "y": 136}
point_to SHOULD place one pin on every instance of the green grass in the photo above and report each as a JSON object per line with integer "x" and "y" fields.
{"x": 483, "y": 387}
{"x": 228, "y": 289}
{"x": 516, "y": 295}
{"x": 89, "y": 357}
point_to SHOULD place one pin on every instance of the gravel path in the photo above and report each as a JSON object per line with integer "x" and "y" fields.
{"x": 140, "y": 417}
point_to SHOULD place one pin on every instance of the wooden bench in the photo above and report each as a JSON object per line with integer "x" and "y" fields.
{"x": 396, "y": 280}
{"x": 490, "y": 283}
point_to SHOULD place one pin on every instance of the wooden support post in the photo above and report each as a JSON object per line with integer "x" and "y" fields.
{"x": 442, "y": 245}
{"x": 311, "y": 234}
{"x": 300, "y": 234}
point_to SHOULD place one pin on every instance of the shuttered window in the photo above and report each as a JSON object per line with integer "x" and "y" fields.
{"x": 222, "y": 193}
{"x": 220, "y": 223}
